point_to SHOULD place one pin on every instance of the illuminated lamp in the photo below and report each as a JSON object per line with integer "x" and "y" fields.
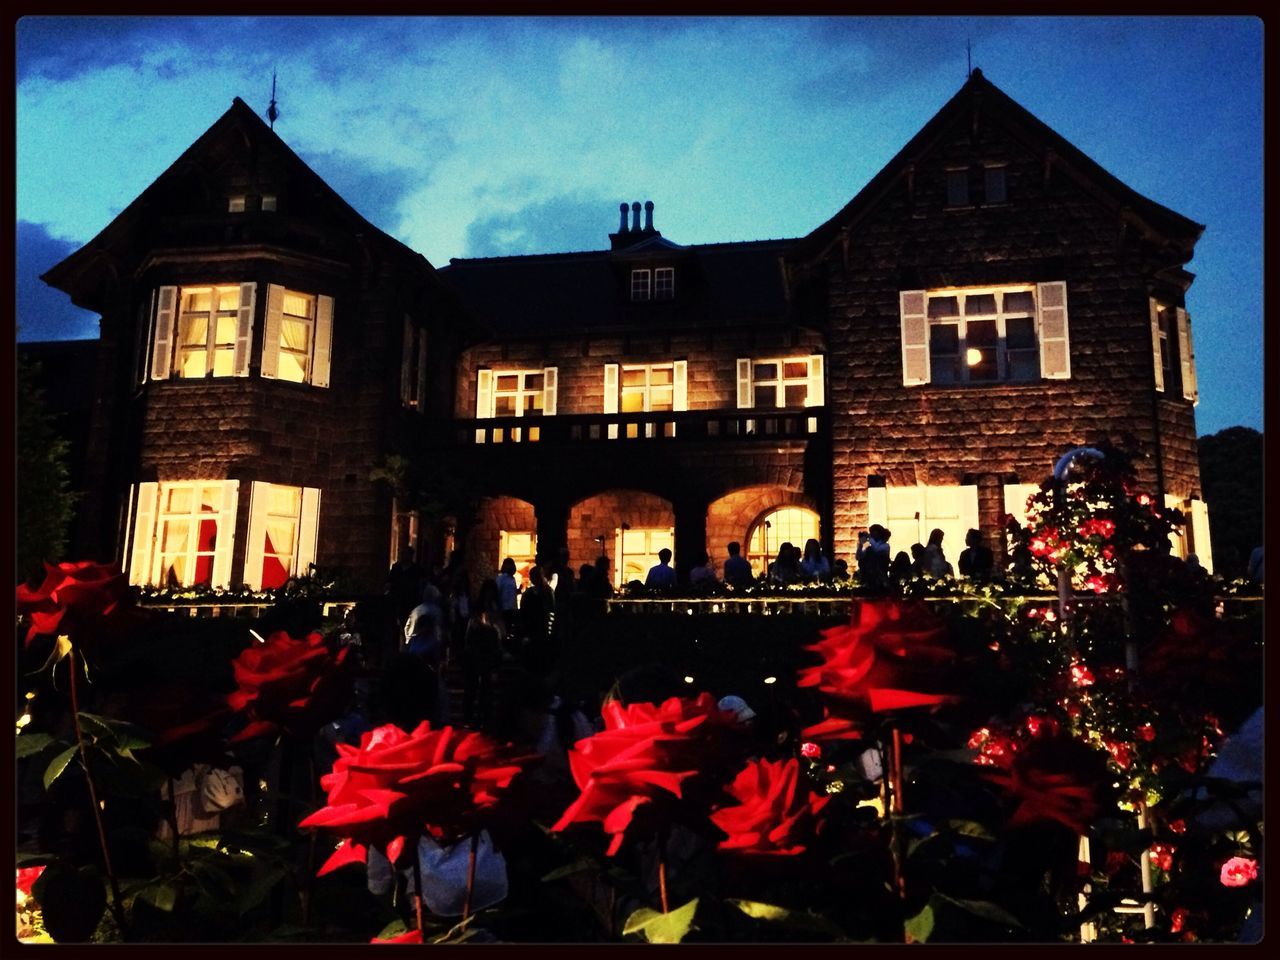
{"x": 973, "y": 356}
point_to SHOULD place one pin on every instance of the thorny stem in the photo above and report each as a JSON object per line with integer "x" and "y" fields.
{"x": 117, "y": 907}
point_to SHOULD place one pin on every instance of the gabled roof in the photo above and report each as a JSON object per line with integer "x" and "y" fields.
{"x": 241, "y": 130}
{"x": 548, "y": 294}
{"x": 994, "y": 103}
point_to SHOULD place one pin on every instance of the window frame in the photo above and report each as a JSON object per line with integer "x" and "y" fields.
{"x": 990, "y": 171}
{"x": 1000, "y": 317}
{"x": 646, "y": 288}
{"x": 664, "y": 290}
{"x": 957, "y": 175}
{"x": 307, "y": 355}
{"x": 212, "y": 346}
{"x": 521, "y": 391}
{"x": 780, "y": 382}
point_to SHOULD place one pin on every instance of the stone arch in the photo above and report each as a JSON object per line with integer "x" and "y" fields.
{"x": 495, "y": 516}
{"x": 734, "y": 515}
{"x": 602, "y": 515}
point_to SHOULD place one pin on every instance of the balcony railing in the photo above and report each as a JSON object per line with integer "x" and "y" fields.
{"x": 655, "y": 427}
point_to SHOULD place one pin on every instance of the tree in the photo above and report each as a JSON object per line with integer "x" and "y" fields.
{"x": 1231, "y": 481}
{"x": 45, "y": 502}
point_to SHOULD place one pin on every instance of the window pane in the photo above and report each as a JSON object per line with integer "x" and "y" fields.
{"x": 1024, "y": 364}
{"x": 533, "y": 381}
{"x": 533, "y": 403}
{"x": 957, "y": 188}
{"x": 297, "y": 304}
{"x": 294, "y": 334}
{"x": 661, "y": 375}
{"x": 995, "y": 189}
{"x": 210, "y": 499}
{"x": 174, "y": 537}
{"x": 982, "y": 363}
{"x": 1020, "y": 333}
{"x": 632, "y": 401}
{"x": 944, "y": 307}
{"x": 796, "y": 368}
{"x": 980, "y": 333}
{"x": 197, "y": 299}
{"x": 226, "y": 329}
{"x": 193, "y": 363}
{"x": 284, "y": 501}
{"x": 224, "y": 362}
{"x": 660, "y": 398}
{"x": 193, "y": 331}
{"x": 796, "y": 394}
{"x": 766, "y": 371}
{"x": 633, "y": 377}
{"x": 504, "y": 406}
{"x": 1020, "y": 301}
{"x": 293, "y": 367}
{"x": 179, "y": 500}
{"x": 944, "y": 338}
{"x": 983, "y": 304}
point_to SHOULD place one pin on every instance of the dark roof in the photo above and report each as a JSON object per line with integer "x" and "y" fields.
{"x": 995, "y": 102}
{"x": 715, "y": 284}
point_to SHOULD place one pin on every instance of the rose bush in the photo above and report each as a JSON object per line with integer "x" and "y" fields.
{"x": 290, "y": 685}
{"x": 642, "y": 760}
{"x": 72, "y": 598}
{"x": 1053, "y": 779}
{"x": 396, "y": 785}
{"x": 774, "y": 816}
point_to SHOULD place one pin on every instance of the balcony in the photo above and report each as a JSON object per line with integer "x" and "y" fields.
{"x": 658, "y": 427}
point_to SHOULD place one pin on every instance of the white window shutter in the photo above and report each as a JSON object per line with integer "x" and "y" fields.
{"x": 406, "y": 363}
{"x": 680, "y": 385}
{"x": 549, "y": 385}
{"x": 226, "y": 542}
{"x": 142, "y": 347}
{"x": 877, "y": 506}
{"x": 746, "y": 397}
{"x": 816, "y": 396}
{"x": 1016, "y": 496}
{"x": 484, "y": 394}
{"x": 271, "y": 331}
{"x": 1155, "y": 343}
{"x": 1186, "y": 354}
{"x": 259, "y": 498}
{"x": 144, "y": 533}
{"x": 1178, "y": 537}
{"x": 968, "y": 512}
{"x": 1201, "y": 545}
{"x": 420, "y": 394}
{"x": 915, "y": 337}
{"x": 1055, "y": 340}
{"x": 244, "y": 327}
{"x": 610, "y": 388}
{"x": 324, "y": 342}
{"x": 162, "y": 349}
{"x": 308, "y": 531}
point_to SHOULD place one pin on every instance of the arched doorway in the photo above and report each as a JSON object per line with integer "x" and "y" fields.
{"x": 628, "y": 526}
{"x": 784, "y": 524}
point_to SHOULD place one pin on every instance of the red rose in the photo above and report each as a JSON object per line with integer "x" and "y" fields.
{"x": 773, "y": 816}
{"x": 84, "y": 591}
{"x": 1162, "y": 855}
{"x": 833, "y": 727}
{"x": 810, "y": 751}
{"x": 1178, "y": 919}
{"x": 1055, "y": 779}
{"x": 292, "y": 685}
{"x": 27, "y": 876}
{"x": 1238, "y": 871}
{"x": 397, "y": 785}
{"x": 409, "y": 936}
{"x": 641, "y": 760}
{"x": 868, "y": 660}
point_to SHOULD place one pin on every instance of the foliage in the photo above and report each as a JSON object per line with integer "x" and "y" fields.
{"x": 1231, "y": 480}
{"x": 43, "y": 479}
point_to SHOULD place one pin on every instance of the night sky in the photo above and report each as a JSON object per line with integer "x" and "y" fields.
{"x": 481, "y": 137}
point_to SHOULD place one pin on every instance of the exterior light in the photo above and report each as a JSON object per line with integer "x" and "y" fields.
{"x": 770, "y": 679}
{"x": 257, "y": 636}
{"x": 973, "y": 356}
{"x": 688, "y": 679}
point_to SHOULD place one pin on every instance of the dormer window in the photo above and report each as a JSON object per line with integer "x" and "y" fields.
{"x": 994, "y": 185}
{"x": 640, "y": 289}
{"x": 958, "y": 188}
{"x": 235, "y": 205}
{"x": 664, "y": 283}
{"x": 268, "y": 203}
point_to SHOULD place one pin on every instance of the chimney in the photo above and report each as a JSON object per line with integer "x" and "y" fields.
{"x": 648, "y": 216}
{"x": 622, "y": 224}
{"x": 635, "y": 217}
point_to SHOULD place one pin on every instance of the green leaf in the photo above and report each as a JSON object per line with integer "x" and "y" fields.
{"x": 58, "y": 765}
{"x": 578, "y": 866}
{"x": 970, "y": 828}
{"x": 785, "y": 917}
{"x": 29, "y": 743}
{"x": 919, "y": 927}
{"x": 162, "y": 896}
{"x": 257, "y": 889}
{"x": 984, "y": 909}
{"x": 125, "y": 736}
{"x": 392, "y": 929}
{"x": 61, "y": 647}
{"x": 659, "y": 927}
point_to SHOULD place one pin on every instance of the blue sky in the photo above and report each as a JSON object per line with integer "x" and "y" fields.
{"x": 482, "y": 136}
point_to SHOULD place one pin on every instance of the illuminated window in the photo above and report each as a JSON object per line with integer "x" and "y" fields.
{"x": 782, "y": 382}
{"x": 911, "y": 513}
{"x": 984, "y": 335}
{"x": 206, "y": 333}
{"x": 645, "y": 389}
{"x": 413, "y": 366}
{"x": 282, "y": 534}
{"x": 664, "y": 283}
{"x": 235, "y": 205}
{"x": 640, "y": 285}
{"x": 297, "y": 336}
{"x": 186, "y": 535}
{"x": 793, "y": 525}
{"x": 637, "y": 550}
{"x": 268, "y": 203}
{"x": 522, "y": 547}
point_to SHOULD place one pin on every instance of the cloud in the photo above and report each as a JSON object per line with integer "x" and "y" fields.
{"x": 558, "y": 224}
{"x": 43, "y": 312}
{"x": 375, "y": 194}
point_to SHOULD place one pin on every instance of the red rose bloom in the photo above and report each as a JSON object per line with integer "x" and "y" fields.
{"x": 640, "y": 760}
{"x": 292, "y": 685}
{"x": 1162, "y": 856}
{"x": 773, "y": 816}
{"x": 1238, "y": 871}
{"x": 1053, "y": 779}
{"x": 810, "y": 751}
{"x": 397, "y": 785}
{"x": 82, "y": 591}
{"x": 883, "y": 645}
{"x": 833, "y": 727}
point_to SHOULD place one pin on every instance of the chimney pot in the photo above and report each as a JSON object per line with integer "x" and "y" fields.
{"x": 648, "y": 216}
{"x": 635, "y": 216}
{"x": 622, "y": 224}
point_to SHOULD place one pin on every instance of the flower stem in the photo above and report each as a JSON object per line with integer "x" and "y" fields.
{"x": 893, "y": 775}
{"x": 417, "y": 889}
{"x": 471, "y": 876}
{"x": 117, "y": 907}
{"x": 662, "y": 871}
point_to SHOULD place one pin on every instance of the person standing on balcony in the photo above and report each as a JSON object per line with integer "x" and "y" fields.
{"x": 703, "y": 575}
{"x": 873, "y": 557}
{"x": 815, "y": 565}
{"x": 661, "y": 574}
{"x": 935, "y": 561}
{"x": 976, "y": 560}
{"x": 737, "y": 569}
{"x": 507, "y": 591}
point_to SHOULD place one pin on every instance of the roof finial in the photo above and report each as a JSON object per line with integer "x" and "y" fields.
{"x": 272, "y": 110}
{"x": 968, "y": 49}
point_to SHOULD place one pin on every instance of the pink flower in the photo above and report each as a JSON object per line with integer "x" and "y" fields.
{"x": 810, "y": 751}
{"x": 1162, "y": 855}
{"x": 1238, "y": 871}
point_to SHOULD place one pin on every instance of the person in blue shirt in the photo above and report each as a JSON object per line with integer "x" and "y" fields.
{"x": 737, "y": 569}
{"x": 661, "y": 574}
